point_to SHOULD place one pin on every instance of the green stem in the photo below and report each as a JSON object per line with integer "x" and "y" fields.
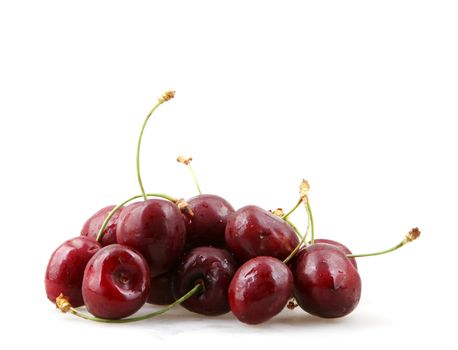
{"x": 292, "y": 210}
{"x": 293, "y": 226}
{"x": 309, "y": 213}
{"x": 191, "y": 170}
{"x": 294, "y": 252}
{"x": 116, "y": 208}
{"x": 197, "y": 288}
{"x": 159, "y": 102}
{"x": 410, "y": 237}
{"x": 399, "y": 245}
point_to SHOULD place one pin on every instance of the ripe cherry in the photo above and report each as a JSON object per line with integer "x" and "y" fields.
{"x": 156, "y": 229}
{"x": 94, "y": 223}
{"x": 252, "y": 231}
{"x": 65, "y": 270}
{"x": 260, "y": 289}
{"x": 326, "y": 283}
{"x": 339, "y": 245}
{"x": 116, "y": 282}
{"x": 161, "y": 290}
{"x": 207, "y": 224}
{"x": 211, "y": 267}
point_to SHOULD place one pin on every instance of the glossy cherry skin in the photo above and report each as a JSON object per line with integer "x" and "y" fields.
{"x": 260, "y": 289}
{"x": 161, "y": 290}
{"x": 116, "y": 282}
{"x": 326, "y": 283}
{"x": 65, "y": 270}
{"x": 156, "y": 229}
{"x": 94, "y": 223}
{"x": 213, "y": 268}
{"x": 340, "y": 246}
{"x": 252, "y": 231}
{"x": 207, "y": 225}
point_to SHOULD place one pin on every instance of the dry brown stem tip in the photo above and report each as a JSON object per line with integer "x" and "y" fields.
{"x": 278, "y": 212}
{"x": 304, "y": 189}
{"x": 184, "y": 160}
{"x": 292, "y": 304}
{"x": 184, "y": 207}
{"x": 413, "y": 234}
{"x": 167, "y": 96}
{"x": 62, "y": 303}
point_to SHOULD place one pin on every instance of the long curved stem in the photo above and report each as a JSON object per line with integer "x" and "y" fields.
{"x": 116, "y": 208}
{"x": 138, "y": 147}
{"x": 168, "y": 95}
{"x": 197, "y": 288}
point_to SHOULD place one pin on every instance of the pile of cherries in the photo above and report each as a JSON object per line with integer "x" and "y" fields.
{"x": 204, "y": 255}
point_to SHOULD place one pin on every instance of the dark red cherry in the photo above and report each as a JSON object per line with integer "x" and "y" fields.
{"x": 161, "y": 290}
{"x": 156, "y": 229}
{"x": 92, "y": 226}
{"x": 65, "y": 270}
{"x": 116, "y": 282}
{"x": 340, "y": 246}
{"x": 213, "y": 268}
{"x": 260, "y": 289}
{"x": 207, "y": 224}
{"x": 326, "y": 283}
{"x": 252, "y": 231}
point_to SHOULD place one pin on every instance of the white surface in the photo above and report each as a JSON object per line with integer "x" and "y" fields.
{"x": 358, "y": 97}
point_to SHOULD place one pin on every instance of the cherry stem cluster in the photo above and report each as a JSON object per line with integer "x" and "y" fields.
{"x": 303, "y": 190}
{"x": 294, "y": 252}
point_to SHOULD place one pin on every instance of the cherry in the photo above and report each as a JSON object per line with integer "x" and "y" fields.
{"x": 156, "y": 229}
{"x": 116, "y": 282}
{"x": 326, "y": 283}
{"x": 260, "y": 289}
{"x": 252, "y": 231}
{"x": 92, "y": 226}
{"x": 207, "y": 224}
{"x": 213, "y": 268}
{"x": 64, "y": 274}
{"x": 161, "y": 290}
{"x": 343, "y": 248}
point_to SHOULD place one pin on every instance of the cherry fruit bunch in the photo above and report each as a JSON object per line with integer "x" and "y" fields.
{"x": 203, "y": 255}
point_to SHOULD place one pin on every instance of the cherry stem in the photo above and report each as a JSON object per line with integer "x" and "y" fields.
{"x": 292, "y": 210}
{"x": 116, "y": 208}
{"x": 293, "y": 226}
{"x": 397, "y": 246}
{"x": 165, "y": 97}
{"x": 294, "y": 252}
{"x": 197, "y": 288}
{"x": 411, "y": 236}
{"x": 195, "y": 178}
{"x": 309, "y": 213}
{"x": 187, "y": 162}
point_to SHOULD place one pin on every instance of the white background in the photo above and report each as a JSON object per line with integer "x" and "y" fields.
{"x": 358, "y": 97}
